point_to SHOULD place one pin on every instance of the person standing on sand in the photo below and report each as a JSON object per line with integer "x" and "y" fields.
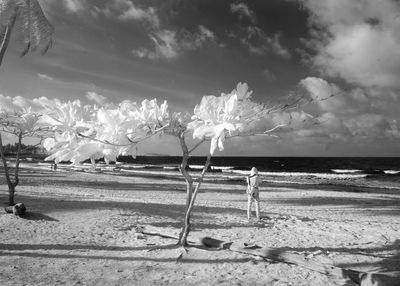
{"x": 253, "y": 181}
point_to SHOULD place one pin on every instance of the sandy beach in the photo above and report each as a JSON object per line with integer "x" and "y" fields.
{"x": 84, "y": 229}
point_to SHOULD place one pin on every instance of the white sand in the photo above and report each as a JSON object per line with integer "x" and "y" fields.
{"x": 81, "y": 230}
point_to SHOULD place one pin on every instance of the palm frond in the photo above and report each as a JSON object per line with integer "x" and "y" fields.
{"x": 7, "y": 8}
{"x": 2, "y": 33}
{"x": 31, "y": 24}
{"x": 36, "y": 29}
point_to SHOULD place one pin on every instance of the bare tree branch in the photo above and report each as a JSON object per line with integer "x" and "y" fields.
{"x": 196, "y": 146}
{"x": 17, "y": 161}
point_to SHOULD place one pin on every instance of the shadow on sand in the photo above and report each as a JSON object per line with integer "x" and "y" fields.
{"x": 171, "y": 211}
{"x": 37, "y": 216}
{"x": 15, "y": 250}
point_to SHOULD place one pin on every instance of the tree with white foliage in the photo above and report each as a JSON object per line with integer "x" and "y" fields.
{"x": 21, "y": 123}
{"x": 219, "y": 118}
{"x": 89, "y": 132}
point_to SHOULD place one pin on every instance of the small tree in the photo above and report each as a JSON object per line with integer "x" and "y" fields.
{"x": 21, "y": 124}
{"x": 217, "y": 119}
{"x": 111, "y": 131}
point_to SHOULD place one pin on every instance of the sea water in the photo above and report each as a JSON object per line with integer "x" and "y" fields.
{"x": 373, "y": 172}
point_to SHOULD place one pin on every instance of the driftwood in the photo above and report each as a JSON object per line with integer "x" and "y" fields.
{"x": 359, "y": 277}
{"x": 17, "y": 209}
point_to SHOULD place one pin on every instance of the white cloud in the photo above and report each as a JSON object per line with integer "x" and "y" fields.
{"x": 243, "y": 11}
{"x": 45, "y": 77}
{"x": 165, "y": 46}
{"x": 97, "y": 98}
{"x": 276, "y": 46}
{"x": 16, "y": 104}
{"x": 356, "y": 43}
{"x": 125, "y": 10}
{"x": 321, "y": 92}
{"x": 128, "y": 11}
{"x": 259, "y": 43}
{"x": 206, "y": 33}
{"x": 196, "y": 40}
{"x": 357, "y": 40}
{"x": 169, "y": 44}
{"x": 74, "y": 6}
{"x": 6, "y": 103}
{"x": 96, "y": 11}
{"x": 350, "y": 116}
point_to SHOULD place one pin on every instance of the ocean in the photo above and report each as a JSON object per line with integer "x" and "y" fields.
{"x": 370, "y": 172}
{"x": 360, "y": 165}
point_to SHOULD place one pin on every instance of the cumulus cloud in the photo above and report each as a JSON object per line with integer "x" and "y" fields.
{"x": 165, "y": 46}
{"x": 259, "y": 43}
{"x": 6, "y": 103}
{"x": 253, "y": 37}
{"x": 95, "y": 97}
{"x": 196, "y": 40}
{"x": 170, "y": 44}
{"x": 74, "y": 6}
{"x": 356, "y": 44}
{"x": 243, "y": 11}
{"x": 349, "y": 116}
{"x": 128, "y": 11}
{"x": 97, "y": 11}
{"x": 357, "y": 41}
{"x": 16, "y": 104}
{"x": 321, "y": 92}
{"x": 122, "y": 10}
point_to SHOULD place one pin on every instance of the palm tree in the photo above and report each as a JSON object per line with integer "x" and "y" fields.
{"x": 27, "y": 16}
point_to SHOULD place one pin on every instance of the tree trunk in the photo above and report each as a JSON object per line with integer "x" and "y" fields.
{"x": 3, "y": 158}
{"x": 11, "y": 192}
{"x": 187, "y": 176}
{"x": 11, "y": 188}
{"x": 17, "y": 160}
{"x": 189, "y": 183}
{"x": 186, "y": 226}
{"x": 6, "y": 30}
{"x": 183, "y": 168}
{"x": 93, "y": 164}
{"x": 11, "y": 185}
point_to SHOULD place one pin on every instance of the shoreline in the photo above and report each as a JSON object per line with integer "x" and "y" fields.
{"x": 365, "y": 184}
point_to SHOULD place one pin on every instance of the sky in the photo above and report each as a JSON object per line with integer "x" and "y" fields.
{"x": 175, "y": 50}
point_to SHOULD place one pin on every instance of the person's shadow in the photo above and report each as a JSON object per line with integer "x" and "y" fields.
{"x": 38, "y": 216}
